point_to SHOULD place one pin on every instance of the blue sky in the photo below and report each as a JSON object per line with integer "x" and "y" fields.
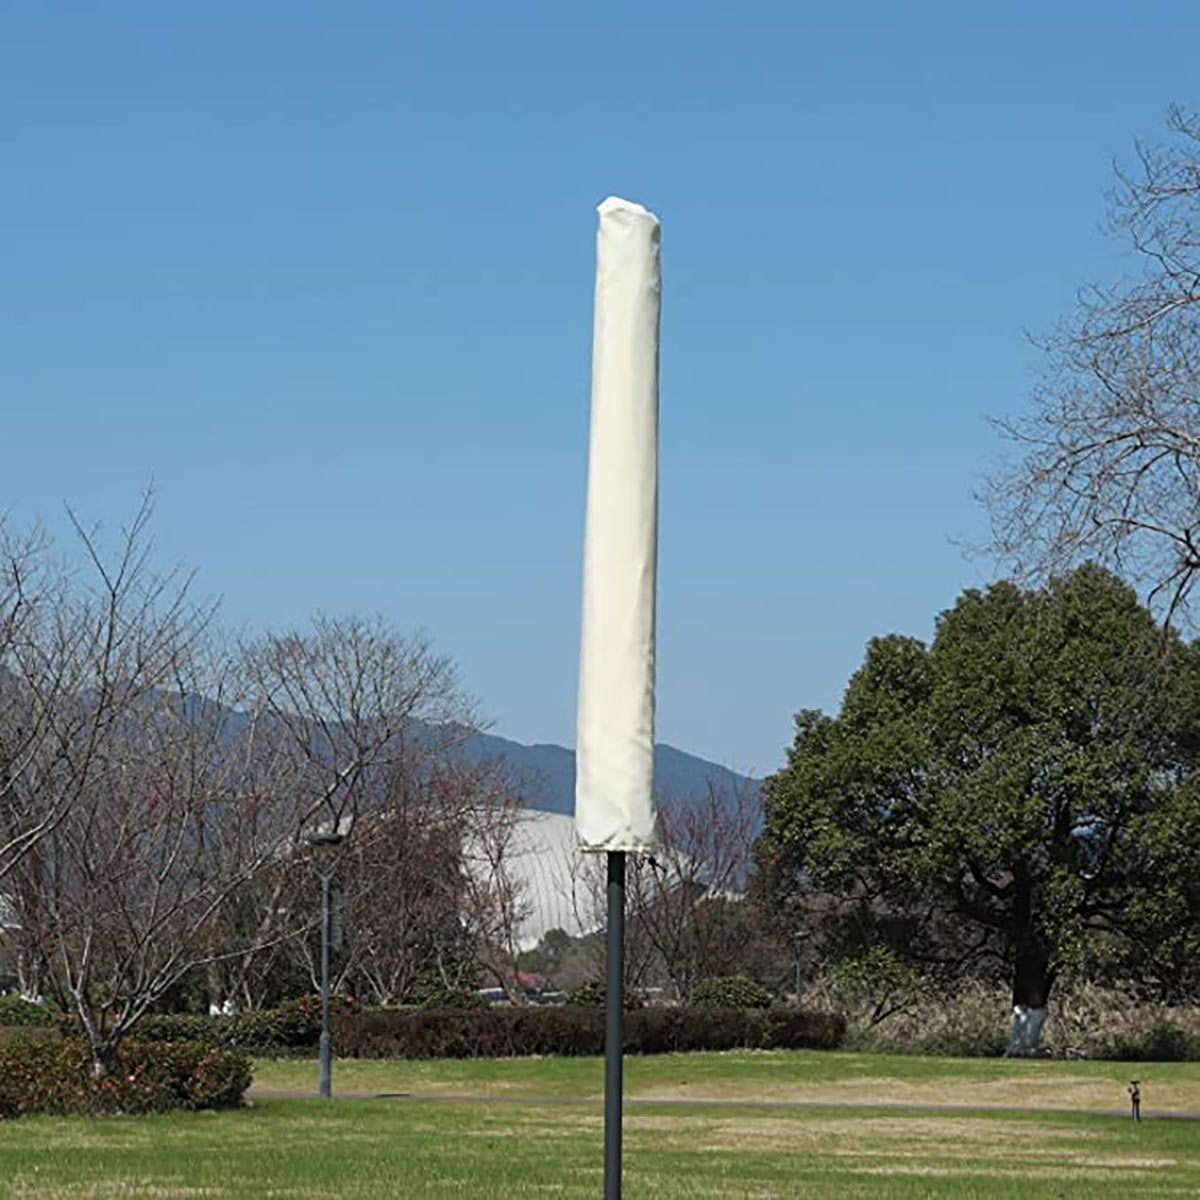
{"x": 324, "y": 273}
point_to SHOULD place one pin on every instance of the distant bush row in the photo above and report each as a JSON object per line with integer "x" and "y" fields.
{"x": 56, "y": 1077}
{"x": 1084, "y": 1021}
{"x": 578, "y": 1030}
{"x": 502, "y": 1032}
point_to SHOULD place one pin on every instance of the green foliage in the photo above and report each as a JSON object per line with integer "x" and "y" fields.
{"x": 592, "y": 993}
{"x": 589, "y": 994}
{"x": 550, "y": 955}
{"x": 1163, "y": 945}
{"x": 730, "y": 991}
{"x": 1005, "y": 780}
{"x": 877, "y": 982}
{"x": 876, "y": 970}
{"x": 16, "y": 1011}
{"x": 56, "y": 1077}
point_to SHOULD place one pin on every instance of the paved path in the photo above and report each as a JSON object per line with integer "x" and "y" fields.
{"x": 714, "y": 1102}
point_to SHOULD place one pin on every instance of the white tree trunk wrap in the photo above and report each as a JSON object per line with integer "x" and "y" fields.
{"x": 614, "y": 766}
{"x": 1026, "y": 1030}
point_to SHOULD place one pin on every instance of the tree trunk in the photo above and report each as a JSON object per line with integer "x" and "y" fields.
{"x": 104, "y": 1058}
{"x": 29, "y": 971}
{"x": 1033, "y": 977}
{"x": 102, "y": 1046}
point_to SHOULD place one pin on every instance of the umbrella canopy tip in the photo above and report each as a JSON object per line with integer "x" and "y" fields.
{"x": 616, "y": 206}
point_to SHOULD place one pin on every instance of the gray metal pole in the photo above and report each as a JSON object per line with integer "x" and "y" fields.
{"x": 325, "y": 1084}
{"x": 613, "y": 1038}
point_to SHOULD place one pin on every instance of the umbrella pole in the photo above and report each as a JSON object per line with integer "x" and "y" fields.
{"x": 613, "y": 1040}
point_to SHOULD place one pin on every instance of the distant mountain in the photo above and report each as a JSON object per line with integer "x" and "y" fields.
{"x": 550, "y": 771}
{"x": 547, "y": 770}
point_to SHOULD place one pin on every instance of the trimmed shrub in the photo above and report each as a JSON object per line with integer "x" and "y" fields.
{"x": 589, "y": 994}
{"x": 592, "y": 993}
{"x": 674, "y": 1030}
{"x": 577, "y": 1030}
{"x": 730, "y": 991}
{"x": 292, "y": 1028}
{"x": 16, "y": 1011}
{"x": 487, "y": 1032}
{"x": 471, "y": 1033}
{"x": 55, "y": 1077}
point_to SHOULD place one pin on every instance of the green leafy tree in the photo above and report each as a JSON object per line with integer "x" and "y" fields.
{"x": 1003, "y": 779}
{"x": 1162, "y": 946}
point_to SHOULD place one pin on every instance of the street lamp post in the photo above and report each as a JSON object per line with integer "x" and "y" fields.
{"x": 322, "y": 843}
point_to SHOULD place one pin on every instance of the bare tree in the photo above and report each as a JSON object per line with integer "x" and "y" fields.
{"x": 26, "y": 704}
{"x": 76, "y": 658}
{"x": 686, "y": 918}
{"x": 157, "y": 789}
{"x": 130, "y": 882}
{"x": 426, "y": 896}
{"x": 401, "y": 894}
{"x": 686, "y": 901}
{"x": 354, "y": 696}
{"x": 354, "y": 713}
{"x": 186, "y": 846}
{"x": 587, "y": 885}
{"x": 1109, "y": 456}
{"x": 496, "y": 903}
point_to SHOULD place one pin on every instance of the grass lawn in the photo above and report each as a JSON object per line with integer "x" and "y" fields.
{"x": 377, "y": 1148}
{"x": 368, "y": 1148}
{"x": 806, "y": 1076}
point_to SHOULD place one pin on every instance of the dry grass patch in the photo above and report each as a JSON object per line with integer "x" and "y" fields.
{"x": 1031, "y": 1091}
{"x": 919, "y": 1146}
{"x": 866, "y": 1135}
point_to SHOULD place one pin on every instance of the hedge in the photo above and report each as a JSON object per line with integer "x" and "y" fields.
{"x": 500, "y": 1032}
{"x": 56, "y": 1077}
{"x": 258, "y": 1031}
{"x": 14, "y": 1010}
{"x": 592, "y": 993}
{"x": 578, "y": 1030}
{"x": 292, "y": 1028}
{"x": 28, "y": 1033}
